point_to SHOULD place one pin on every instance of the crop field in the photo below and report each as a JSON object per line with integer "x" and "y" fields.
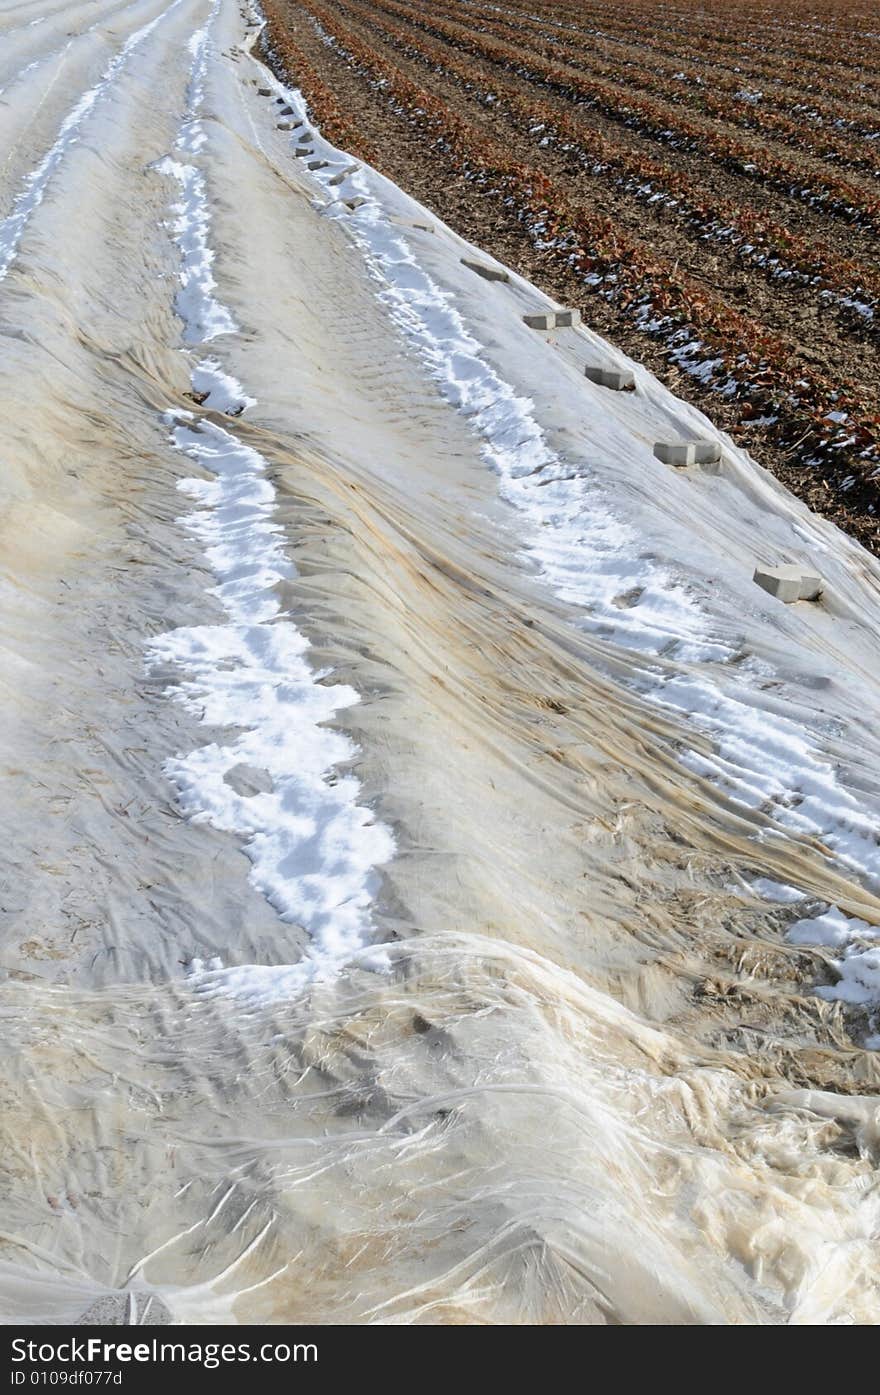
{"x": 703, "y": 183}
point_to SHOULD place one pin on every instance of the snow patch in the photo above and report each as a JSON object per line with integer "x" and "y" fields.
{"x": 202, "y": 314}
{"x": 314, "y": 849}
{"x": 777, "y": 892}
{"x": 858, "y": 967}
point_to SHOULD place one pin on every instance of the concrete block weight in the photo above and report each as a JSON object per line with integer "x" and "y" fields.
{"x": 618, "y": 379}
{"x": 343, "y": 175}
{"x": 552, "y": 319}
{"x": 489, "y": 273}
{"x": 684, "y": 453}
{"x": 789, "y": 582}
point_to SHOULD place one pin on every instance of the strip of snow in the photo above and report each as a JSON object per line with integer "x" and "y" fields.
{"x": 572, "y": 521}
{"x": 35, "y": 183}
{"x": 589, "y": 556}
{"x": 314, "y": 849}
{"x": 202, "y": 314}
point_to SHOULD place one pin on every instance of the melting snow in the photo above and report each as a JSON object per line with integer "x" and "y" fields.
{"x": 313, "y": 847}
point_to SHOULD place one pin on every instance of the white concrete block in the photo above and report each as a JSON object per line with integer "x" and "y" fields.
{"x": 812, "y": 585}
{"x": 343, "y": 175}
{"x": 789, "y": 582}
{"x": 489, "y": 273}
{"x": 707, "y": 452}
{"x": 679, "y": 453}
{"x": 552, "y": 319}
{"x": 618, "y": 379}
{"x": 683, "y": 453}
